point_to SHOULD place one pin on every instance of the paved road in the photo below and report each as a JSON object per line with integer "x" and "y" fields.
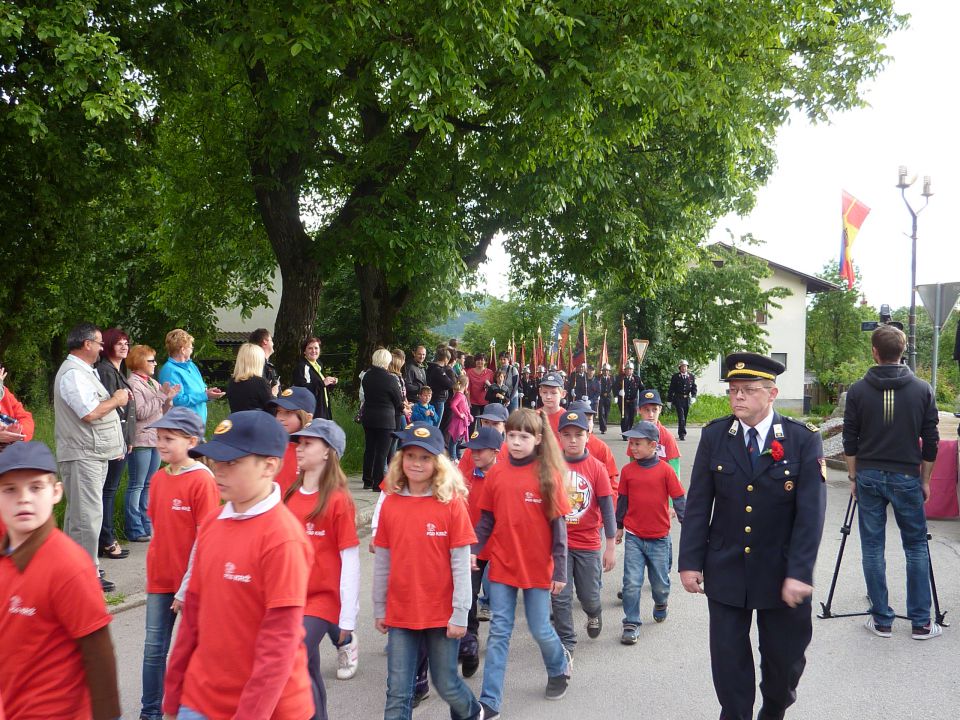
{"x": 850, "y": 673}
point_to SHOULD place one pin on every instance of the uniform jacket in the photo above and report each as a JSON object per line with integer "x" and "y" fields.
{"x": 777, "y": 512}
{"x": 577, "y": 386}
{"x": 593, "y": 388}
{"x": 631, "y": 386}
{"x": 682, "y": 388}
{"x": 606, "y": 386}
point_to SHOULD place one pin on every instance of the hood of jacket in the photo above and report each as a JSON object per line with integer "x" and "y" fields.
{"x": 888, "y": 377}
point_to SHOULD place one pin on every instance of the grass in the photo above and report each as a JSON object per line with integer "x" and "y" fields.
{"x": 114, "y": 599}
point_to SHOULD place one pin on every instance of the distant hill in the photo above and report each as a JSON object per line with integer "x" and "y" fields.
{"x": 453, "y": 328}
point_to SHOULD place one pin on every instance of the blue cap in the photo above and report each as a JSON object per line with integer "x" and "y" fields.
{"x": 650, "y": 397}
{"x": 486, "y": 438}
{"x": 31, "y": 455}
{"x": 581, "y": 407}
{"x": 328, "y": 431}
{"x": 421, "y": 434}
{"x": 552, "y": 379}
{"x": 494, "y": 412}
{"x": 296, "y": 398}
{"x": 644, "y": 430}
{"x": 180, "y": 418}
{"x": 249, "y": 432}
{"x": 573, "y": 418}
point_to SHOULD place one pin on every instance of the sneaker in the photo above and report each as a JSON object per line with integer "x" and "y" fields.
{"x": 488, "y": 713}
{"x": 348, "y": 658}
{"x": 659, "y": 613}
{"x": 568, "y": 656}
{"x": 594, "y": 626}
{"x": 883, "y": 631}
{"x": 631, "y": 634}
{"x": 556, "y": 687}
{"x": 483, "y": 613}
{"x": 927, "y": 632}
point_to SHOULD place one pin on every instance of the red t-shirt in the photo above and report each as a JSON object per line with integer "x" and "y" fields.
{"x": 602, "y": 452}
{"x": 667, "y": 447}
{"x": 477, "y": 391}
{"x": 288, "y": 470}
{"x": 329, "y": 533}
{"x": 554, "y": 421}
{"x": 56, "y": 601}
{"x": 587, "y": 480}
{"x": 521, "y": 544}
{"x": 648, "y": 491}
{"x": 177, "y": 506}
{"x": 475, "y": 484}
{"x": 243, "y": 568}
{"x": 420, "y": 532}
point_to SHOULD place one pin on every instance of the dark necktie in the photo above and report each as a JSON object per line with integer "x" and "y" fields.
{"x": 753, "y": 448}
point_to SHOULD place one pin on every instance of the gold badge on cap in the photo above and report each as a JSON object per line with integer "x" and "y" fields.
{"x": 788, "y": 485}
{"x": 422, "y": 433}
{"x": 572, "y": 416}
{"x": 224, "y": 427}
{"x": 286, "y": 393}
{"x": 740, "y": 366}
{"x": 648, "y": 395}
{"x": 476, "y": 434}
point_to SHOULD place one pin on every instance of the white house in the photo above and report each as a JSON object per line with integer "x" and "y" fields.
{"x": 786, "y": 331}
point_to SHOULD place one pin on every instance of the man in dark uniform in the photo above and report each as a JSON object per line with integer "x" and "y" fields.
{"x": 606, "y": 393}
{"x": 750, "y": 537}
{"x": 577, "y": 384}
{"x": 683, "y": 387}
{"x": 593, "y": 387}
{"x": 529, "y": 389}
{"x": 628, "y": 389}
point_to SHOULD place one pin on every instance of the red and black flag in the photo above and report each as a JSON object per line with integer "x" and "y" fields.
{"x": 580, "y": 350}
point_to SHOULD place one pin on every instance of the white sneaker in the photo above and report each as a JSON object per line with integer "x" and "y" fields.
{"x": 927, "y": 632}
{"x": 878, "y": 630}
{"x": 348, "y": 658}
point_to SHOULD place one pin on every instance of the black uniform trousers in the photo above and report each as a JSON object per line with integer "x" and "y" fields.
{"x": 682, "y": 406}
{"x": 784, "y": 635}
{"x": 629, "y": 415}
{"x": 603, "y": 412}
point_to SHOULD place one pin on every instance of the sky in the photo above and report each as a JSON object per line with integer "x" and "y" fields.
{"x": 910, "y": 120}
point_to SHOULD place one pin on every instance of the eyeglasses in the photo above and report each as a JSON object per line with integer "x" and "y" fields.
{"x": 749, "y": 391}
{"x": 98, "y": 342}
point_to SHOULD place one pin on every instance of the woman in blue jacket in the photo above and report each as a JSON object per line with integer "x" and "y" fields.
{"x": 181, "y": 370}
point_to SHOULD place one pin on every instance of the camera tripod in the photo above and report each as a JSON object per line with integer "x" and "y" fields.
{"x": 826, "y": 613}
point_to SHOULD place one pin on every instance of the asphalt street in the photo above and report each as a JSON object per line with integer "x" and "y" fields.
{"x": 850, "y": 673}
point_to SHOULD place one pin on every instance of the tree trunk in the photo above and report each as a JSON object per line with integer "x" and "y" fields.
{"x": 378, "y": 309}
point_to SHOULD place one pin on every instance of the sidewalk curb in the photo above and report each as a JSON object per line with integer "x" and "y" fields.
{"x": 131, "y": 602}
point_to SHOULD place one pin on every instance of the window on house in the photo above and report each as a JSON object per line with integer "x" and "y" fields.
{"x": 780, "y": 358}
{"x": 762, "y": 317}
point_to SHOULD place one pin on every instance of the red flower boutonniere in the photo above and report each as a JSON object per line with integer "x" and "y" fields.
{"x": 775, "y": 451}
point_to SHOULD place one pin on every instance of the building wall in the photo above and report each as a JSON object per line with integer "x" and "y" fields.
{"x": 786, "y": 331}
{"x": 229, "y": 319}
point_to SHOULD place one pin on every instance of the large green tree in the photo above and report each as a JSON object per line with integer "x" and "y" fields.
{"x": 514, "y": 319}
{"x": 603, "y": 135}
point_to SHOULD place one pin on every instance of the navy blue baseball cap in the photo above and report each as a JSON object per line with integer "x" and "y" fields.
{"x": 31, "y": 455}
{"x": 552, "y": 379}
{"x": 249, "y": 432}
{"x": 421, "y": 434}
{"x": 486, "y": 438}
{"x": 495, "y": 412}
{"x": 581, "y": 407}
{"x": 573, "y": 418}
{"x": 180, "y": 418}
{"x": 644, "y": 430}
{"x": 327, "y": 430}
{"x": 650, "y": 397}
{"x": 296, "y": 398}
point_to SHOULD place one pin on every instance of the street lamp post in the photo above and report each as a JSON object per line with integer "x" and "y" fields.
{"x": 903, "y": 183}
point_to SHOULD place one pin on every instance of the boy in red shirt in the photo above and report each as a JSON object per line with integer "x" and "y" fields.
{"x": 643, "y": 510}
{"x": 650, "y": 408}
{"x": 597, "y": 447}
{"x": 591, "y": 502}
{"x": 239, "y": 652}
{"x": 182, "y": 495}
{"x": 57, "y": 658}
{"x": 552, "y": 391}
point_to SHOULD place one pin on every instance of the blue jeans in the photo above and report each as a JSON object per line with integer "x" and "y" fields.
{"x": 156, "y": 645}
{"x": 876, "y": 489}
{"x": 439, "y": 406}
{"x": 503, "y": 608}
{"x": 453, "y": 449}
{"x": 189, "y": 714}
{"x": 656, "y": 556}
{"x": 144, "y": 462}
{"x": 114, "y": 472}
{"x": 514, "y": 403}
{"x": 402, "y": 670}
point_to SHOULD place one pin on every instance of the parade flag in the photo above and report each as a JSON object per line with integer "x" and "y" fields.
{"x": 538, "y": 349}
{"x": 580, "y": 351}
{"x": 624, "y": 345}
{"x": 604, "y": 355}
{"x": 570, "y": 369}
{"x": 563, "y": 341}
{"x": 854, "y": 213}
{"x": 523, "y": 353}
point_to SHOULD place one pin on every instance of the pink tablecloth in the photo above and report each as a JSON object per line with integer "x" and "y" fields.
{"x": 943, "y": 484}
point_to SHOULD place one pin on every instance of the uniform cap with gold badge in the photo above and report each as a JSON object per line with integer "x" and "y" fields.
{"x": 751, "y": 366}
{"x": 650, "y": 397}
{"x": 486, "y": 438}
{"x": 574, "y": 417}
{"x": 421, "y": 434}
{"x": 249, "y": 432}
{"x": 296, "y": 398}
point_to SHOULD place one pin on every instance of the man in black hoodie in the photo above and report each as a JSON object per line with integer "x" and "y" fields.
{"x": 889, "y": 413}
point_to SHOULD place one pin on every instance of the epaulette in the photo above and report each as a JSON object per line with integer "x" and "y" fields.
{"x": 808, "y": 425}
{"x": 719, "y": 419}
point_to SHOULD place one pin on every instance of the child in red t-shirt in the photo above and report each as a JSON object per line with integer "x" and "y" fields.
{"x": 239, "y": 651}
{"x": 321, "y": 500}
{"x": 57, "y": 659}
{"x": 182, "y": 495}
{"x": 591, "y": 500}
{"x": 523, "y": 535}
{"x": 650, "y": 408}
{"x": 294, "y": 408}
{"x": 421, "y": 581}
{"x": 552, "y": 393}
{"x": 643, "y": 511}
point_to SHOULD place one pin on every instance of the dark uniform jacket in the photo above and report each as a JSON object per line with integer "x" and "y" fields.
{"x": 681, "y": 387}
{"x": 631, "y": 386}
{"x": 530, "y": 390}
{"x": 593, "y": 388}
{"x": 747, "y": 531}
{"x": 606, "y": 386}
{"x": 577, "y": 386}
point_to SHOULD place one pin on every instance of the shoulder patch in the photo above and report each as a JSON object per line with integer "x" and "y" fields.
{"x": 808, "y": 425}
